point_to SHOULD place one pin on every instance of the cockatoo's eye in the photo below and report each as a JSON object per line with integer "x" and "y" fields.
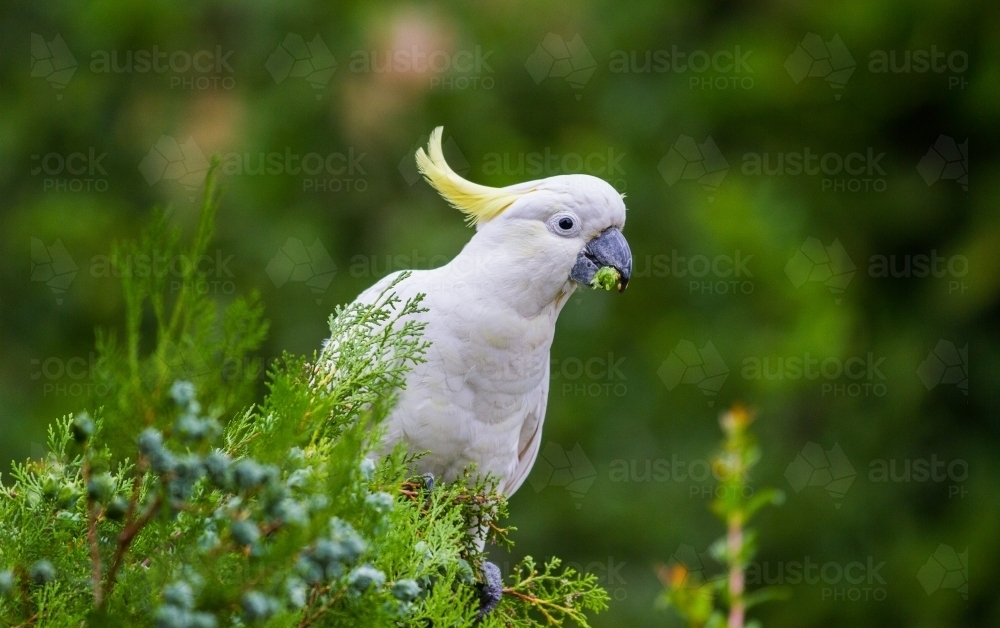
{"x": 564, "y": 224}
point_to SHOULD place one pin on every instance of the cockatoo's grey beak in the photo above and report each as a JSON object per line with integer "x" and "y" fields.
{"x": 608, "y": 249}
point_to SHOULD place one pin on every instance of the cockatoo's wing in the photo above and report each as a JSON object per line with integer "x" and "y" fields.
{"x": 531, "y": 439}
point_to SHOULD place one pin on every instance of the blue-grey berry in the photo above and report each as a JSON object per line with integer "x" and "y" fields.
{"x": 405, "y": 590}
{"x": 297, "y": 593}
{"x": 82, "y": 427}
{"x": 100, "y": 488}
{"x": 290, "y": 511}
{"x": 327, "y": 551}
{"x": 202, "y": 620}
{"x": 367, "y": 468}
{"x": 248, "y": 474}
{"x": 334, "y": 571}
{"x": 245, "y": 533}
{"x": 116, "y": 508}
{"x": 189, "y": 468}
{"x": 299, "y": 478}
{"x": 170, "y": 617}
{"x": 150, "y": 441}
{"x": 296, "y": 457}
{"x": 42, "y": 572}
{"x": 272, "y": 474}
{"x": 365, "y": 577}
{"x": 380, "y": 502}
{"x": 191, "y": 428}
{"x": 217, "y": 465}
{"x": 183, "y": 392}
{"x": 309, "y": 570}
{"x": 351, "y": 543}
{"x": 257, "y": 607}
{"x": 162, "y": 461}
{"x": 6, "y": 583}
{"x": 179, "y": 594}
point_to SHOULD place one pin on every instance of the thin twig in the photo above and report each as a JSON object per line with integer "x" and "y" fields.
{"x": 95, "y": 550}
{"x": 734, "y": 543}
{"x": 125, "y": 541}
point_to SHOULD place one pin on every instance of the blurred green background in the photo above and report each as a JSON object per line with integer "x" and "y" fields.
{"x": 755, "y": 279}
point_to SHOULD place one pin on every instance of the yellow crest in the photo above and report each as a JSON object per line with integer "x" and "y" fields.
{"x": 479, "y": 203}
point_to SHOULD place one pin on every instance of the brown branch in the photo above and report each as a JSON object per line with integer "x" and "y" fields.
{"x": 95, "y": 550}
{"x": 95, "y": 553}
{"x": 29, "y": 622}
{"x": 734, "y": 543}
{"x": 308, "y": 620}
{"x": 125, "y": 541}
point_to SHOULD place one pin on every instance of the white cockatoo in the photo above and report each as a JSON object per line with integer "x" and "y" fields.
{"x": 480, "y": 396}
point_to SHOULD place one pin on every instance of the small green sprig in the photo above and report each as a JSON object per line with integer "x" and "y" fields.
{"x": 549, "y": 596}
{"x": 606, "y": 277}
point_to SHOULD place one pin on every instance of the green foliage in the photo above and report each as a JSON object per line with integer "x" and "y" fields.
{"x": 694, "y": 597}
{"x": 549, "y": 596}
{"x": 606, "y": 277}
{"x": 179, "y": 503}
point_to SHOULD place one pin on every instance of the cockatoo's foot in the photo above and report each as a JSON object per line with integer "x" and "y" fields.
{"x": 490, "y": 589}
{"x": 429, "y": 482}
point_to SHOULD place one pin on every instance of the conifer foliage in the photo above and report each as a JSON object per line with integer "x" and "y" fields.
{"x": 180, "y": 503}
